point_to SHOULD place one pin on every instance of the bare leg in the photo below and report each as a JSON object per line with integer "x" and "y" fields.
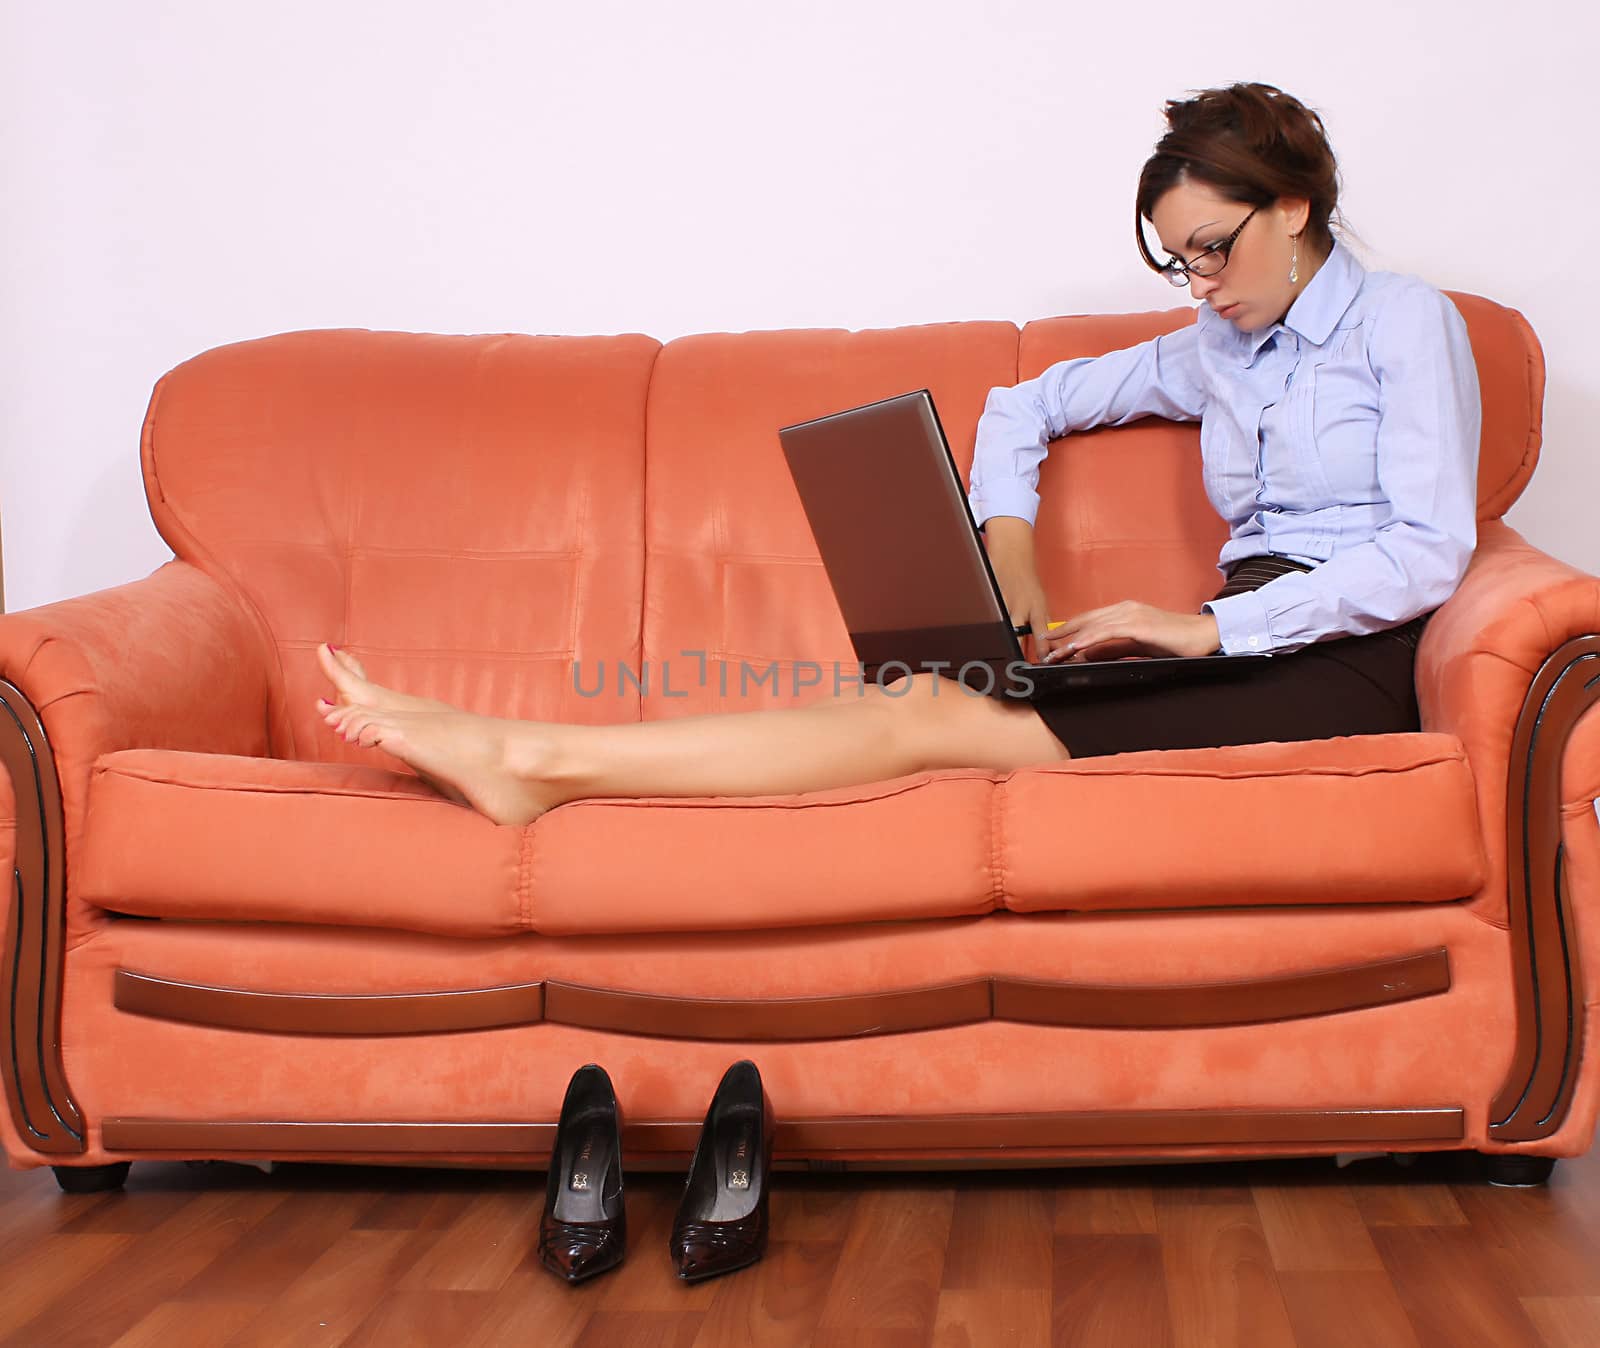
{"x": 513, "y": 771}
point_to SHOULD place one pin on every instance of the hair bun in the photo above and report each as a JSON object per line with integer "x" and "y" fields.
{"x": 1260, "y": 122}
{"x": 1249, "y": 142}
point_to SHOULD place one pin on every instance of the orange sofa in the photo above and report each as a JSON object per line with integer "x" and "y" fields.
{"x": 233, "y": 935}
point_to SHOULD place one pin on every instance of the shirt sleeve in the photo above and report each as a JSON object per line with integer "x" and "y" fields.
{"x": 1429, "y": 422}
{"x": 1159, "y": 377}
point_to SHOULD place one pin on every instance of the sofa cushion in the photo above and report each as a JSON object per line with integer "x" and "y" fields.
{"x": 916, "y": 846}
{"x": 202, "y": 836}
{"x": 1387, "y": 818}
{"x": 463, "y": 511}
{"x": 737, "y": 604}
{"x": 1356, "y": 819}
{"x": 192, "y": 835}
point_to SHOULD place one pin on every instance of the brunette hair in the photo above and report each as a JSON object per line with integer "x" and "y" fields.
{"x": 1252, "y": 144}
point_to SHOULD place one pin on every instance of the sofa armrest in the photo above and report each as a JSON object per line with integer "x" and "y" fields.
{"x": 1516, "y": 608}
{"x": 172, "y": 661}
{"x": 1510, "y": 664}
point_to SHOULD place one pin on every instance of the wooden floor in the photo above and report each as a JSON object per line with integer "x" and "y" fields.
{"x": 1254, "y": 1253}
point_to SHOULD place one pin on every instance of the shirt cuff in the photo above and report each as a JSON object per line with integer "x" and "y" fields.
{"x": 1241, "y": 623}
{"x": 1008, "y": 496}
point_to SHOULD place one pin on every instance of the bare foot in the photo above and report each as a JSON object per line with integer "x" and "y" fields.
{"x": 351, "y": 683}
{"x": 353, "y": 687}
{"x": 471, "y": 755}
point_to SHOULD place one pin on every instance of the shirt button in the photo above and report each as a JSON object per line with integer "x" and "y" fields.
{"x": 1255, "y": 641}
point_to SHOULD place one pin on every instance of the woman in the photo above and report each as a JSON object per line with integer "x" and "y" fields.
{"x": 1339, "y": 420}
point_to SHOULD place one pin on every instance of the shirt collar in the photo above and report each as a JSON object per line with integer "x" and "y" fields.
{"x": 1319, "y": 306}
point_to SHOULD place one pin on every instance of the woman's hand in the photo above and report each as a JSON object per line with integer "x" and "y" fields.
{"x": 1009, "y": 542}
{"x": 1132, "y": 628}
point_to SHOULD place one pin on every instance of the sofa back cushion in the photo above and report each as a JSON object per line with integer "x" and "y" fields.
{"x": 731, "y": 568}
{"x": 462, "y": 512}
{"x": 1123, "y": 512}
{"x": 538, "y": 526}
{"x": 1511, "y": 384}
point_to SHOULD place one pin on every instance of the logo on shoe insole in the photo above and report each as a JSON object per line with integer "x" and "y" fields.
{"x": 740, "y": 1179}
{"x": 580, "y": 1178}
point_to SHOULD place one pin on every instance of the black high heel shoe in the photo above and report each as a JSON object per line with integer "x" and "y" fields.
{"x": 584, "y": 1229}
{"x": 721, "y": 1223}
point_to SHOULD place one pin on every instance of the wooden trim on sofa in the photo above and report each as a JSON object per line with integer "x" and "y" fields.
{"x": 769, "y": 1020}
{"x": 41, "y": 1105}
{"x": 1538, "y": 1087}
{"x": 1244, "y": 1001}
{"x": 1059, "y": 1133}
{"x": 321, "y": 1013}
{"x": 1318, "y": 992}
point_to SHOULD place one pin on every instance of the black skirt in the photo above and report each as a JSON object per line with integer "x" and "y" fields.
{"x": 1343, "y": 686}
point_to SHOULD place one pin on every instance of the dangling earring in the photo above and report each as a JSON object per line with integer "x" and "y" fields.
{"x": 1294, "y": 260}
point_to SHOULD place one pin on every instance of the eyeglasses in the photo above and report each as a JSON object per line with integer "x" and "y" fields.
{"x": 1210, "y": 260}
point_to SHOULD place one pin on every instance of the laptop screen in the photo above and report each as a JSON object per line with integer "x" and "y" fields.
{"x": 887, "y": 506}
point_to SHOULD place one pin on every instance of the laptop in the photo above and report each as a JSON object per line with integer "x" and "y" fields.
{"x": 889, "y": 512}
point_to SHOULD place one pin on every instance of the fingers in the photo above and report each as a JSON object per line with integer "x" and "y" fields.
{"x": 1058, "y": 636}
{"x": 1085, "y": 641}
{"x": 1044, "y": 632}
{"x": 1052, "y": 635}
{"x": 1053, "y": 647}
{"x": 1035, "y": 639}
{"x": 1078, "y": 637}
{"x": 1070, "y": 650}
{"x": 1074, "y": 635}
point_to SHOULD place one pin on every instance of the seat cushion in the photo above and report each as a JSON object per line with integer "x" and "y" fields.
{"x": 201, "y": 836}
{"x": 1356, "y": 819}
{"x": 192, "y": 835}
{"x": 1365, "y": 819}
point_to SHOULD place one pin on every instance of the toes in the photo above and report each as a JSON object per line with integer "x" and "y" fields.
{"x": 326, "y": 661}
{"x": 365, "y": 727}
{"x": 377, "y": 732}
{"x": 352, "y": 664}
{"x": 356, "y": 722}
{"x": 336, "y": 716}
{"x": 348, "y": 719}
{"x": 339, "y": 674}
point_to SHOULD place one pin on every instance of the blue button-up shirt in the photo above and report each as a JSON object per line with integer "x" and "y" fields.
{"x": 1345, "y": 436}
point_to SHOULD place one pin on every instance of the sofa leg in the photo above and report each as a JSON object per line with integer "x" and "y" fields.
{"x": 91, "y": 1179}
{"x": 1510, "y": 1171}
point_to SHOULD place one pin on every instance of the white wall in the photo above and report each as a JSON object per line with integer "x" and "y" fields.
{"x": 182, "y": 173}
